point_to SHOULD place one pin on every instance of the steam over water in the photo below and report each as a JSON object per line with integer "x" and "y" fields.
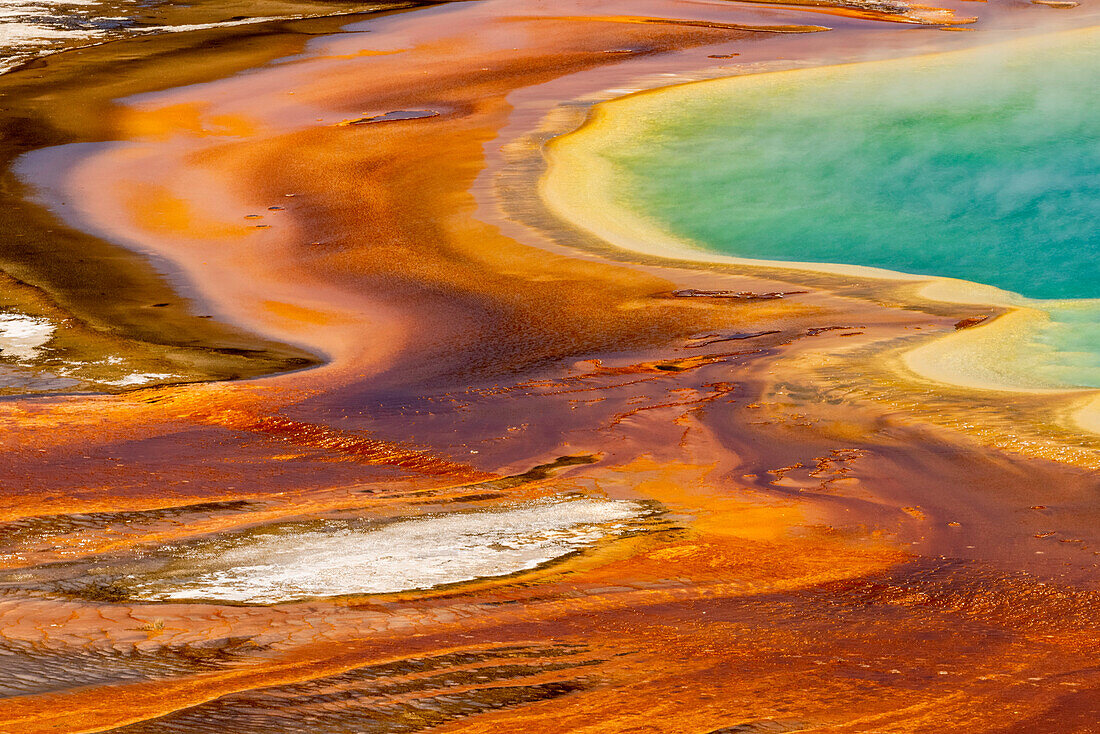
{"x": 982, "y": 166}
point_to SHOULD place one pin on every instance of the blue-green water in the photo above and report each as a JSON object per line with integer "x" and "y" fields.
{"x": 988, "y": 172}
{"x": 980, "y": 166}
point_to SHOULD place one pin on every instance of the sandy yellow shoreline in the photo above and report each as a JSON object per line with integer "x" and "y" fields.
{"x": 578, "y": 187}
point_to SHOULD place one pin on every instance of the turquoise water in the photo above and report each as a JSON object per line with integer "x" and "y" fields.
{"x": 1069, "y": 346}
{"x": 985, "y": 168}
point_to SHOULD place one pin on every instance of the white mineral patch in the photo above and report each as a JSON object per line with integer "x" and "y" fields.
{"x": 22, "y": 336}
{"x": 204, "y": 26}
{"x": 405, "y": 555}
{"x": 139, "y": 378}
{"x": 29, "y": 34}
{"x": 30, "y": 28}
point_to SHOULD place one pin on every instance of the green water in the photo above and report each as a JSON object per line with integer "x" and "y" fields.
{"x": 981, "y": 166}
